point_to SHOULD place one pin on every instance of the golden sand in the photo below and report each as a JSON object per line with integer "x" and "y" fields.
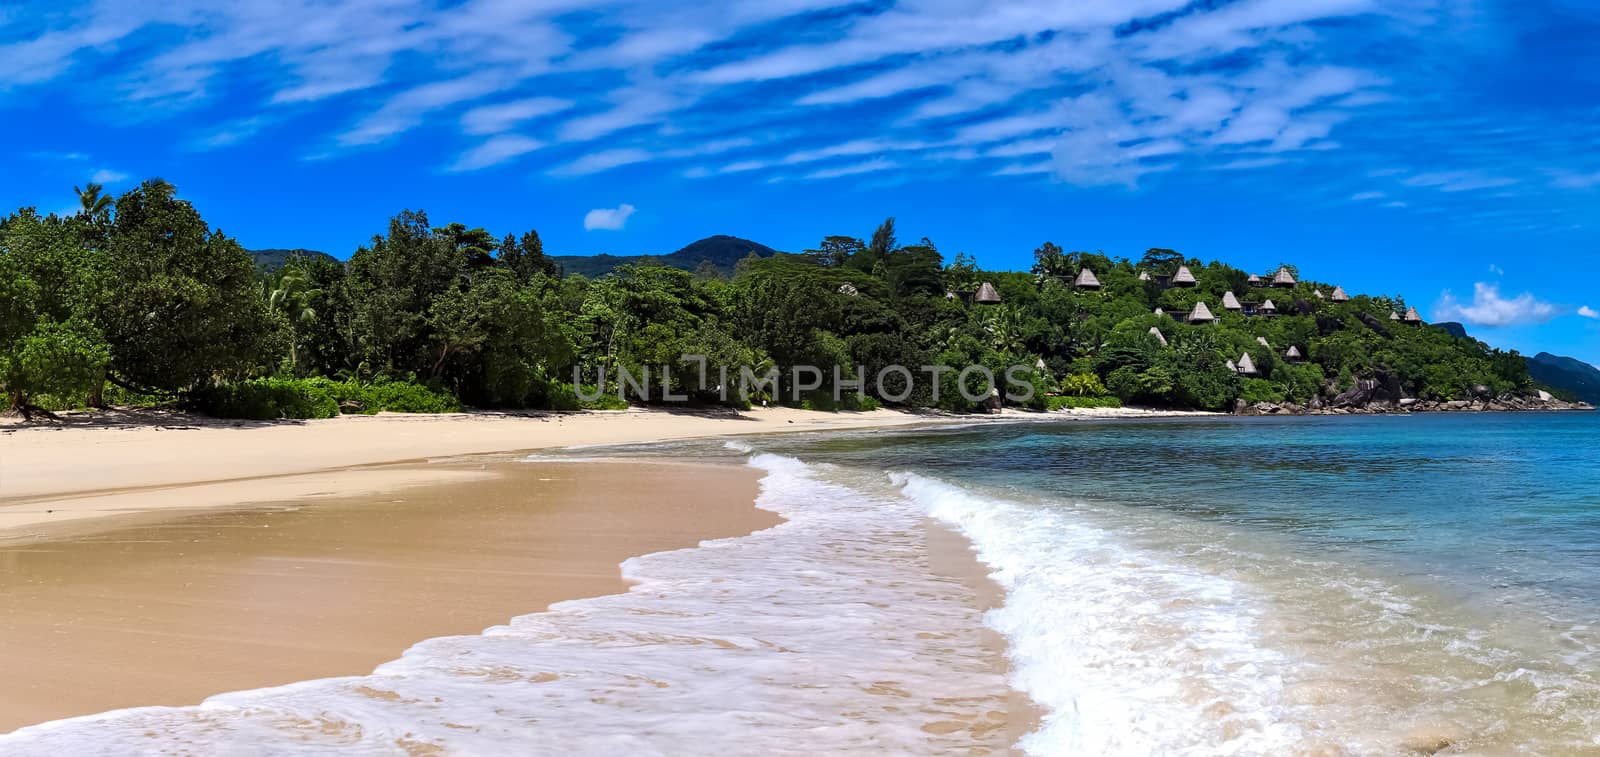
{"x": 169, "y": 606}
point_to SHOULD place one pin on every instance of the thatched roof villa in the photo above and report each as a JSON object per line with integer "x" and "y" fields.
{"x": 1393, "y": 316}
{"x": 1293, "y": 354}
{"x": 1160, "y": 337}
{"x": 1261, "y": 340}
{"x": 1412, "y": 316}
{"x": 1283, "y": 278}
{"x": 1231, "y": 302}
{"x": 1144, "y": 275}
{"x": 1201, "y": 314}
{"x": 1267, "y": 308}
{"x": 1086, "y": 280}
{"x": 1183, "y": 278}
{"x": 1246, "y": 366}
{"x": 987, "y": 295}
{"x": 1339, "y": 295}
{"x": 1256, "y": 281}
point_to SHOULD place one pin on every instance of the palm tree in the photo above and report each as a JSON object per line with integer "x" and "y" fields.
{"x": 96, "y": 205}
{"x": 295, "y": 296}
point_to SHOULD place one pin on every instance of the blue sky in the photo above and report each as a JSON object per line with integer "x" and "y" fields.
{"x": 1445, "y": 150}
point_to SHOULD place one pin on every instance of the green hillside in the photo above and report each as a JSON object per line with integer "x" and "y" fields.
{"x": 721, "y": 251}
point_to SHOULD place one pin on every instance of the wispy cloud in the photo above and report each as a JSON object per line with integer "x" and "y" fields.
{"x": 1589, "y": 312}
{"x": 1489, "y": 308}
{"x": 494, "y": 151}
{"x": 502, "y": 117}
{"x": 1364, "y": 196}
{"x": 604, "y": 160}
{"x": 608, "y": 219}
{"x": 109, "y": 176}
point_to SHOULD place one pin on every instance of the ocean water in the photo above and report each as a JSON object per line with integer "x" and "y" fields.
{"x": 1303, "y": 586}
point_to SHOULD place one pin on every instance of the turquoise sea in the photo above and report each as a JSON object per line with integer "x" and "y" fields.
{"x": 1360, "y": 585}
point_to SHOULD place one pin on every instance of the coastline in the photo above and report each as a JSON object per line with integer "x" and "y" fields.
{"x": 54, "y": 477}
{"x": 169, "y": 608}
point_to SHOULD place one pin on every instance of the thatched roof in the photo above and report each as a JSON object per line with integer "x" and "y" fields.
{"x": 1283, "y": 278}
{"x": 1159, "y": 311}
{"x": 950, "y": 296}
{"x": 1160, "y": 337}
{"x": 1039, "y": 364}
{"x": 1255, "y": 280}
{"x": 1232, "y": 366}
{"x": 1246, "y": 365}
{"x": 1261, "y": 340}
{"x": 1183, "y": 278}
{"x": 1319, "y": 294}
{"x": 847, "y": 290}
{"x": 986, "y": 294}
{"x": 1412, "y": 316}
{"x": 1201, "y": 314}
{"x": 1231, "y": 302}
{"x": 1293, "y": 353}
{"x": 1144, "y": 275}
{"x": 1393, "y": 316}
{"x": 1339, "y": 295}
{"x": 1086, "y": 280}
{"x": 1268, "y": 307}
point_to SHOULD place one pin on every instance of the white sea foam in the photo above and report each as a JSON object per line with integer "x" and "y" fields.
{"x": 1131, "y": 653}
{"x": 826, "y": 634}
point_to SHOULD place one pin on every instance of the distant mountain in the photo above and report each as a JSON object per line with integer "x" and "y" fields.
{"x": 721, "y": 250}
{"x": 272, "y": 260}
{"x": 1452, "y": 328}
{"x": 1566, "y": 375}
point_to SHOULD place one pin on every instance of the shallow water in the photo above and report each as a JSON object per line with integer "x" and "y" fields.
{"x": 1266, "y": 586}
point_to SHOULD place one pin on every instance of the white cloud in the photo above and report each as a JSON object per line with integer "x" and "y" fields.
{"x": 1489, "y": 308}
{"x": 495, "y": 151}
{"x": 501, "y": 117}
{"x": 1589, "y": 312}
{"x": 1363, "y": 196}
{"x": 853, "y": 169}
{"x": 108, "y": 176}
{"x": 607, "y": 219}
{"x": 604, "y": 160}
{"x": 1496, "y": 270}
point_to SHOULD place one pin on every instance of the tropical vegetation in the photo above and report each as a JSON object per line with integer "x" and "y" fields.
{"x": 138, "y": 297}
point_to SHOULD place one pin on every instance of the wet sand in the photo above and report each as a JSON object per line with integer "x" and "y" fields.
{"x": 171, "y": 606}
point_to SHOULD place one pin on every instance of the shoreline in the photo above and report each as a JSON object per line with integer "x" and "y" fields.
{"x": 170, "y": 607}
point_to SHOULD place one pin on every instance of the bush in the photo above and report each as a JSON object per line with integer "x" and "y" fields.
{"x": 275, "y": 398}
{"x": 1261, "y": 390}
{"x": 1081, "y": 403}
{"x": 268, "y": 399}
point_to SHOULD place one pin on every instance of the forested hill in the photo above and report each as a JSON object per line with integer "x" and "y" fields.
{"x": 430, "y": 316}
{"x": 721, "y": 251}
{"x": 272, "y": 260}
{"x": 1566, "y": 376}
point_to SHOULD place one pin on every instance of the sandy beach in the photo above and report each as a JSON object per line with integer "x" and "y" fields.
{"x": 52, "y": 476}
{"x": 169, "y": 608}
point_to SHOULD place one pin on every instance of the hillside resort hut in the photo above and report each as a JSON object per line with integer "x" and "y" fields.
{"x": 1232, "y": 366}
{"x": 1256, "y": 281}
{"x": 986, "y": 295}
{"x": 1247, "y": 367}
{"x": 1261, "y": 340}
{"x": 1086, "y": 280}
{"x": 1144, "y": 275}
{"x": 1159, "y": 311}
{"x": 1183, "y": 278}
{"x": 1160, "y": 337}
{"x": 1201, "y": 314}
{"x": 1293, "y": 354}
{"x": 1231, "y": 302}
{"x": 1267, "y": 308}
{"x": 1339, "y": 295}
{"x": 847, "y": 290}
{"x": 951, "y": 296}
{"x": 1393, "y": 316}
{"x": 1283, "y": 279}
{"x": 1319, "y": 294}
{"x": 1412, "y": 316}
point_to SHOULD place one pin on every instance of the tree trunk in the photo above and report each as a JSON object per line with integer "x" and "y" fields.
{"x": 96, "y": 398}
